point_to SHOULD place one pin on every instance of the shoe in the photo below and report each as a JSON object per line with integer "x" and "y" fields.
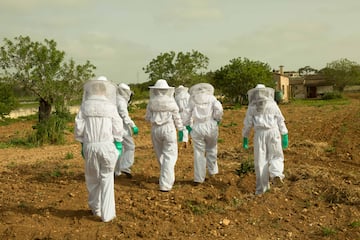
{"x": 128, "y": 175}
{"x": 277, "y": 182}
{"x": 196, "y": 183}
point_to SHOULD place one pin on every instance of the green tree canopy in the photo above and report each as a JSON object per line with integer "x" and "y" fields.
{"x": 307, "y": 70}
{"x": 236, "y": 78}
{"x": 40, "y": 68}
{"x": 341, "y": 73}
{"x": 8, "y": 101}
{"x": 177, "y": 68}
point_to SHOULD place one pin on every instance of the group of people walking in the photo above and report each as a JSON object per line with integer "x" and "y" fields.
{"x": 104, "y": 129}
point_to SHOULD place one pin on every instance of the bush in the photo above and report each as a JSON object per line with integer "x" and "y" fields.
{"x": 332, "y": 95}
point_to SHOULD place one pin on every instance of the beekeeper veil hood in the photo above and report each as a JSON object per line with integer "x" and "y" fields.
{"x": 162, "y": 96}
{"x": 181, "y": 92}
{"x": 124, "y": 91}
{"x": 260, "y": 96}
{"x": 202, "y": 93}
{"x": 100, "y": 89}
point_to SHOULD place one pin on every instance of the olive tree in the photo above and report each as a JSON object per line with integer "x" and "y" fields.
{"x": 41, "y": 68}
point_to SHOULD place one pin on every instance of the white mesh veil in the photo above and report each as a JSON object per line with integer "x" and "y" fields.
{"x": 260, "y": 96}
{"x": 124, "y": 91}
{"x": 162, "y": 96}
{"x": 100, "y": 89}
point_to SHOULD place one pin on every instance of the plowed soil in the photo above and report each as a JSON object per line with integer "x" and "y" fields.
{"x": 43, "y": 194}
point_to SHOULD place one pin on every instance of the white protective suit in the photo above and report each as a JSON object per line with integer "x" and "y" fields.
{"x": 206, "y": 112}
{"x": 97, "y": 126}
{"x": 163, "y": 114}
{"x": 269, "y": 124}
{"x": 126, "y": 160}
{"x": 182, "y": 97}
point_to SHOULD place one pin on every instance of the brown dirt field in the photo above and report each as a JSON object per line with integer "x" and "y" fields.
{"x": 43, "y": 194}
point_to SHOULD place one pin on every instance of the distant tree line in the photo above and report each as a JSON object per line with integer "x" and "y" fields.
{"x": 40, "y": 70}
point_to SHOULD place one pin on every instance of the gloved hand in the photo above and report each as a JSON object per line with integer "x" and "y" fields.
{"x": 218, "y": 123}
{"x": 180, "y": 136}
{"x": 245, "y": 143}
{"x": 118, "y": 146}
{"x": 82, "y": 150}
{"x": 135, "y": 130}
{"x": 189, "y": 128}
{"x": 285, "y": 141}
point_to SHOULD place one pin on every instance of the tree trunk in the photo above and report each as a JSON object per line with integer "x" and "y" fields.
{"x": 44, "y": 110}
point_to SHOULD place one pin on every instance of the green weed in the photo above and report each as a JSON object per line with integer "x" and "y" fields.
{"x": 245, "y": 167}
{"x": 69, "y": 155}
{"x": 355, "y": 224}
{"x": 327, "y": 231}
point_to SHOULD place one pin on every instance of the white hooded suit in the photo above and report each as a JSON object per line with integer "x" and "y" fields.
{"x": 126, "y": 160}
{"x": 269, "y": 124}
{"x": 163, "y": 114}
{"x": 206, "y": 112}
{"x": 97, "y": 126}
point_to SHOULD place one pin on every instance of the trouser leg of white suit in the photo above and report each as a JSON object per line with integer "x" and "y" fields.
{"x": 268, "y": 158}
{"x": 185, "y": 136}
{"x": 165, "y": 145}
{"x": 205, "y": 150}
{"x": 99, "y": 170}
{"x": 126, "y": 160}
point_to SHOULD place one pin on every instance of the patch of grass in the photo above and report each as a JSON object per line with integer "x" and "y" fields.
{"x": 11, "y": 165}
{"x": 196, "y": 208}
{"x": 355, "y": 224}
{"x": 245, "y": 167}
{"x": 327, "y": 231}
{"x": 220, "y": 140}
{"x": 330, "y": 149}
{"x": 69, "y": 155}
{"x": 56, "y": 173}
{"x": 320, "y": 102}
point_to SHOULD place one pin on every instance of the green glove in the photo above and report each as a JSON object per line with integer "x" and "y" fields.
{"x": 180, "y": 136}
{"x": 118, "y": 146}
{"x": 189, "y": 128}
{"x": 82, "y": 150}
{"x": 135, "y": 130}
{"x": 245, "y": 143}
{"x": 284, "y": 141}
{"x": 218, "y": 123}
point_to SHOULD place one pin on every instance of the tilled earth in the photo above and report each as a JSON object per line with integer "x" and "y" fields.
{"x": 43, "y": 194}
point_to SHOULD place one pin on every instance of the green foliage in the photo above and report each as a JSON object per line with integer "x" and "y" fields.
{"x": 355, "y": 224}
{"x": 51, "y": 131}
{"x": 328, "y": 231}
{"x": 39, "y": 68}
{"x": 341, "y": 73}
{"x": 8, "y": 101}
{"x": 236, "y": 78}
{"x": 307, "y": 70}
{"x": 69, "y": 155}
{"x": 245, "y": 167}
{"x": 320, "y": 102}
{"x": 177, "y": 68}
{"x": 332, "y": 95}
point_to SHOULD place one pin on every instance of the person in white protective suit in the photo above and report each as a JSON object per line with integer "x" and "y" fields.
{"x": 99, "y": 128}
{"x": 126, "y": 160}
{"x": 163, "y": 114}
{"x": 182, "y": 97}
{"x": 206, "y": 113}
{"x": 270, "y": 137}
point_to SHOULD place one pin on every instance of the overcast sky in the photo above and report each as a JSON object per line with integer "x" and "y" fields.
{"x": 120, "y": 37}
